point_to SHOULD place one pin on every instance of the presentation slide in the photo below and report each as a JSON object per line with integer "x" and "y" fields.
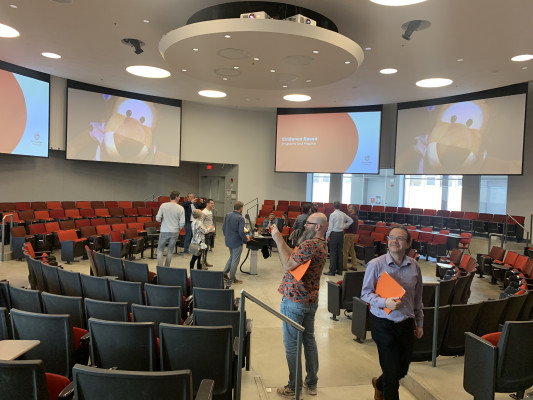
{"x": 342, "y": 142}
{"x": 24, "y": 112}
{"x": 472, "y": 137}
{"x": 101, "y": 127}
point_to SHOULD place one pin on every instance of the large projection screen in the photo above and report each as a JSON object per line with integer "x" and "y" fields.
{"x": 24, "y": 111}
{"x": 111, "y": 126}
{"x": 484, "y": 136}
{"x": 334, "y": 142}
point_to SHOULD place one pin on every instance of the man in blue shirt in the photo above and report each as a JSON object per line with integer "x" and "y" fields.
{"x": 234, "y": 237}
{"x": 338, "y": 222}
{"x": 394, "y": 333}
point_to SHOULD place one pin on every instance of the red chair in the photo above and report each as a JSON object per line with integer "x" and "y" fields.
{"x": 104, "y": 231}
{"x": 68, "y": 205}
{"x": 116, "y": 212}
{"x": 138, "y": 204}
{"x": 137, "y": 242}
{"x": 271, "y": 202}
{"x": 124, "y": 204}
{"x": 87, "y": 212}
{"x": 144, "y": 219}
{"x": 67, "y": 225}
{"x": 144, "y": 212}
{"x": 267, "y": 207}
{"x": 102, "y": 212}
{"x": 119, "y": 227}
{"x": 82, "y": 222}
{"x": 111, "y": 204}
{"x": 43, "y": 240}
{"x": 97, "y": 204}
{"x": 43, "y": 216}
{"x": 39, "y": 206}
{"x": 54, "y": 205}
{"x": 94, "y": 240}
{"x": 23, "y": 206}
{"x": 464, "y": 243}
{"x": 58, "y": 215}
{"x": 28, "y": 216}
{"x": 83, "y": 204}
{"x": 98, "y": 221}
{"x": 118, "y": 247}
{"x": 73, "y": 213}
{"x": 128, "y": 220}
{"x": 71, "y": 245}
{"x": 130, "y": 212}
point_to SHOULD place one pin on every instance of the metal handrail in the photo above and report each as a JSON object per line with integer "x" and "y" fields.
{"x": 2, "y": 258}
{"x": 298, "y": 327}
{"x": 256, "y": 206}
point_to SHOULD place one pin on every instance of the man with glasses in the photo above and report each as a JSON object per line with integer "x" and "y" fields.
{"x": 394, "y": 333}
{"x": 300, "y": 298}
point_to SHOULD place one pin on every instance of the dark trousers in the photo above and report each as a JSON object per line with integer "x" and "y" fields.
{"x": 336, "y": 242}
{"x": 395, "y": 345}
{"x": 198, "y": 260}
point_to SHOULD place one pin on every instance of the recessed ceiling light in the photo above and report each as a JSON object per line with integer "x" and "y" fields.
{"x": 388, "y": 71}
{"x": 308, "y": 80}
{"x": 272, "y": 70}
{"x": 195, "y": 49}
{"x": 284, "y": 86}
{"x": 524, "y": 67}
{"x": 256, "y": 59}
{"x": 297, "y": 97}
{"x": 50, "y": 55}
{"x": 316, "y": 51}
{"x": 227, "y": 36}
{"x": 434, "y": 82}
{"x": 368, "y": 48}
{"x": 235, "y": 67}
{"x": 346, "y": 62}
{"x": 183, "y": 70}
{"x": 397, "y": 2}
{"x": 146, "y": 21}
{"x": 224, "y": 79}
{"x": 460, "y": 60}
{"x": 13, "y": 6}
{"x": 148, "y": 72}
{"x": 8, "y": 32}
{"x": 522, "y": 57}
{"x": 212, "y": 93}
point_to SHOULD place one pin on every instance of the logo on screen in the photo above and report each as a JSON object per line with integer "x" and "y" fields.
{"x": 36, "y": 141}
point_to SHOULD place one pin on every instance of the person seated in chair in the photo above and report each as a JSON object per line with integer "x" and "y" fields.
{"x": 271, "y": 220}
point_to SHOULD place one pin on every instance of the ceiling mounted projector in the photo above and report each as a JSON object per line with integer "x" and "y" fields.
{"x": 301, "y": 19}
{"x": 256, "y": 15}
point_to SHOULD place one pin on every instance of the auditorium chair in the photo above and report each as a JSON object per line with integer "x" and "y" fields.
{"x": 71, "y": 245}
{"x": 214, "y": 299}
{"x": 43, "y": 216}
{"x": 39, "y": 206}
{"x": 51, "y": 278}
{"x": 35, "y": 273}
{"x": 68, "y": 205}
{"x": 127, "y": 292}
{"x": 499, "y": 267}
{"x": 137, "y": 272}
{"x": 23, "y": 206}
{"x": 341, "y": 294}
{"x": 110, "y": 204}
{"x": 156, "y": 314}
{"x": 73, "y": 213}
{"x": 365, "y": 247}
{"x": 118, "y": 247}
{"x": 95, "y": 287}
{"x": 436, "y": 248}
{"x": 25, "y": 299}
{"x": 361, "y": 319}
{"x": 71, "y": 305}
{"x": 104, "y": 231}
{"x": 463, "y": 318}
{"x": 67, "y": 225}
{"x": 116, "y": 211}
{"x": 423, "y": 348}
{"x": 87, "y": 212}
{"x": 106, "y": 310}
{"x": 43, "y": 256}
{"x": 173, "y": 277}
{"x": 206, "y": 279}
{"x": 501, "y": 363}
{"x": 485, "y": 260}
{"x": 27, "y": 379}
{"x": 102, "y": 212}
{"x": 491, "y": 315}
{"x": 70, "y": 282}
{"x": 94, "y": 240}
{"x": 81, "y": 222}
{"x": 464, "y": 243}
{"x": 18, "y": 238}
{"x": 164, "y": 296}
{"x": 136, "y": 242}
{"x": 114, "y": 266}
{"x": 53, "y": 205}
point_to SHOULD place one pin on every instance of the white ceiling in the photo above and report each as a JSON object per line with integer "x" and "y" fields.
{"x": 88, "y": 34}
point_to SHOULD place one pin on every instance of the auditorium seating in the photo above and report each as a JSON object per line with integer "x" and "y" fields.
{"x": 341, "y": 294}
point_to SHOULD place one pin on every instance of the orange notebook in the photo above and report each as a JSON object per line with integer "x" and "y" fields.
{"x": 299, "y": 271}
{"x": 388, "y": 287}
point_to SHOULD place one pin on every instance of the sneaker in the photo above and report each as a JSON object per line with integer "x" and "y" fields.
{"x": 208, "y": 265}
{"x": 237, "y": 281}
{"x": 286, "y": 392}
{"x": 226, "y": 277}
{"x": 310, "y": 391}
{"x": 378, "y": 394}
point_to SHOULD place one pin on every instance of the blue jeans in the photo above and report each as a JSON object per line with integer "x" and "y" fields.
{"x": 303, "y": 314}
{"x": 233, "y": 261}
{"x": 188, "y": 236}
{"x": 165, "y": 238}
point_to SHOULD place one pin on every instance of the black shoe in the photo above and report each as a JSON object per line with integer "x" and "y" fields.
{"x": 329, "y": 274}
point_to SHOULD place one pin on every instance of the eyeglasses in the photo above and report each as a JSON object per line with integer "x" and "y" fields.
{"x": 311, "y": 223}
{"x": 398, "y": 238}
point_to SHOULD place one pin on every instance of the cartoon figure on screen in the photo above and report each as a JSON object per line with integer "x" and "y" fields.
{"x": 127, "y": 135}
{"x": 456, "y": 140}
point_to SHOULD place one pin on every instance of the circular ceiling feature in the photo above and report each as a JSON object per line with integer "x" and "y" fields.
{"x": 8, "y": 32}
{"x": 434, "y": 82}
{"x": 297, "y": 97}
{"x": 147, "y": 71}
{"x": 231, "y": 72}
{"x": 214, "y": 94}
{"x": 233, "y": 54}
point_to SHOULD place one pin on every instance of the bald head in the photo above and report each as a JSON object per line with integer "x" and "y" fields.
{"x": 320, "y": 220}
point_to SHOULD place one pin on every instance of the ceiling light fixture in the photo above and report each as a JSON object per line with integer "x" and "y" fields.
{"x": 146, "y": 21}
{"x": 256, "y": 59}
{"x": 195, "y": 49}
{"x": 434, "y": 82}
{"x": 235, "y": 67}
{"x": 8, "y": 32}
{"x": 272, "y": 70}
{"x": 346, "y": 62}
{"x": 396, "y": 3}
{"x": 297, "y": 97}
{"x": 460, "y": 60}
{"x": 368, "y": 48}
{"x": 214, "y": 94}
{"x": 308, "y": 80}
{"x": 316, "y": 51}
{"x": 147, "y": 71}
{"x": 13, "y": 6}
{"x": 522, "y": 57}
{"x": 388, "y": 71}
{"x": 227, "y": 36}
{"x": 50, "y": 55}
{"x": 183, "y": 70}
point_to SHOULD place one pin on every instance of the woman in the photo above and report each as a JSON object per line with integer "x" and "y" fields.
{"x": 198, "y": 234}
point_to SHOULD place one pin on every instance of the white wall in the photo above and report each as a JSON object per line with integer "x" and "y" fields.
{"x": 243, "y": 137}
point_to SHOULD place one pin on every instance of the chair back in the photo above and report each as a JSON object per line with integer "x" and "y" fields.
{"x": 514, "y": 306}
{"x": 94, "y": 383}
{"x": 136, "y": 272}
{"x": 23, "y": 380}
{"x": 423, "y": 348}
{"x": 95, "y": 287}
{"x": 157, "y": 315}
{"x": 99, "y": 263}
{"x": 5, "y": 324}
{"x": 124, "y": 291}
{"x": 163, "y": 296}
{"x": 207, "y": 351}
{"x": 35, "y": 274}
{"x": 207, "y": 279}
{"x": 213, "y": 299}
{"x": 218, "y": 318}
{"x": 71, "y": 305}
{"x": 51, "y": 279}
{"x": 124, "y": 345}
{"x": 352, "y": 283}
{"x": 106, "y": 310}
{"x": 114, "y": 266}
{"x": 463, "y": 318}
{"x": 490, "y": 316}
{"x": 173, "y": 277}
{"x": 26, "y": 299}
{"x": 54, "y": 331}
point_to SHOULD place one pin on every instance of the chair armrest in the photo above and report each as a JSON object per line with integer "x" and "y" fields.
{"x": 236, "y": 346}
{"x": 188, "y": 321}
{"x": 480, "y": 363}
{"x": 334, "y": 299}
{"x": 236, "y": 303}
{"x": 67, "y": 392}
{"x": 85, "y": 339}
{"x": 205, "y": 390}
{"x": 248, "y": 327}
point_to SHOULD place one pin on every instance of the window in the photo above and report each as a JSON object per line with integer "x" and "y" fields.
{"x": 493, "y": 194}
{"x": 439, "y": 192}
{"x": 320, "y": 188}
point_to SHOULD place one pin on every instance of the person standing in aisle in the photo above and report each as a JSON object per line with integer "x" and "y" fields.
{"x": 234, "y": 237}
{"x": 172, "y": 218}
{"x": 338, "y": 222}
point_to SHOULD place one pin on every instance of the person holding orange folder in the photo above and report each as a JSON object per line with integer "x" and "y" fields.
{"x": 299, "y": 287}
{"x": 393, "y": 288}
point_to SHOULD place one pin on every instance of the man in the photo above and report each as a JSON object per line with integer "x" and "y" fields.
{"x": 207, "y": 220}
{"x": 271, "y": 220}
{"x": 189, "y": 206}
{"x": 173, "y": 217}
{"x": 234, "y": 236}
{"x": 298, "y": 226}
{"x": 300, "y": 299}
{"x": 394, "y": 333}
{"x": 338, "y": 222}
{"x": 349, "y": 237}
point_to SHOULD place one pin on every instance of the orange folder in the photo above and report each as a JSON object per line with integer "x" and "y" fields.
{"x": 388, "y": 287}
{"x": 299, "y": 271}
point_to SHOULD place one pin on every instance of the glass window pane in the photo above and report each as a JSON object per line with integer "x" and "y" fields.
{"x": 493, "y": 194}
{"x": 321, "y": 188}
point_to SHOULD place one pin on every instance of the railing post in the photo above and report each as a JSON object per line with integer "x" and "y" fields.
{"x": 435, "y": 327}
{"x": 242, "y": 323}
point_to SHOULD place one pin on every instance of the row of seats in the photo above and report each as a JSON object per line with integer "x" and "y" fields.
{"x": 66, "y": 205}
